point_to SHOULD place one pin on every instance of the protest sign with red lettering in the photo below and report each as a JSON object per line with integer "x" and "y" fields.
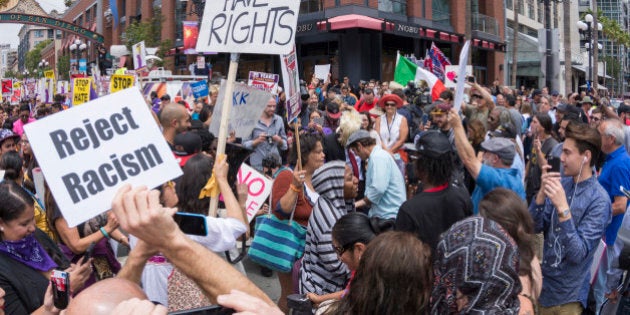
{"x": 264, "y": 81}
{"x": 259, "y": 188}
{"x": 88, "y": 152}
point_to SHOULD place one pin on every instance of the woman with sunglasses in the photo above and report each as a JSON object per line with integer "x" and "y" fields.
{"x": 350, "y": 237}
{"x": 393, "y": 129}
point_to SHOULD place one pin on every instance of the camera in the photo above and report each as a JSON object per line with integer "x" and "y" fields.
{"x": 270, "y": 139}
{"x": 303, "y": 91}
{"x": 419, "y": 96}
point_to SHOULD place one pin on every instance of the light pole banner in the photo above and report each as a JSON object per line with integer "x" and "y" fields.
{"x": 139, "y": 56}
{"x": 254, "y": 27}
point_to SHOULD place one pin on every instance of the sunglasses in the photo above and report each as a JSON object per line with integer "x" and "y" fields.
{"x": 390, "y": 104}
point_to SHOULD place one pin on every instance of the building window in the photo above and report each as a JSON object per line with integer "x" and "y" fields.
{"x": 521, "y": 7}
{"x": 309, "y": 6}
{"x": 509, "y": 4}
{"x": 393, "y": 6}
{"x": 541, "y": 12}
{"x": 530, "y": 9}
{"x": 38, "y": 33}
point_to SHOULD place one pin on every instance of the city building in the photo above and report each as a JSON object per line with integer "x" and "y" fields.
{"x": 31, "y": 35}
{"x": 7, "y": 58}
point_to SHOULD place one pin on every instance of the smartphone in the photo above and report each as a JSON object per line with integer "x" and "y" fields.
{"x": 60, "y": 282}
{"x": 319, "y": 121}
{"x": 625, "y": 191}
{"x": 191, "y": 223}
{"x": 555, "y": 164}
{"x": 88, "y": 253}
{"x": 207, "y": 310}
{"x": 471, "y": 79}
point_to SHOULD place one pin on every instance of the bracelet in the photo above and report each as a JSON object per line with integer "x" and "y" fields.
{"x": 295, "y": 188}
{"x": 105, "y": 233}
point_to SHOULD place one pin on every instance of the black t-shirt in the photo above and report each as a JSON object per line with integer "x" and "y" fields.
{"x": 429, "y": 214}
{"x": 332, "y": 148}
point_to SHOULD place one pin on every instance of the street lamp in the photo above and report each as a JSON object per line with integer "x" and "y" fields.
{"x": 549, "y": 68}
{"x": 585, "y": 28}
{"x": 77, "y": 49}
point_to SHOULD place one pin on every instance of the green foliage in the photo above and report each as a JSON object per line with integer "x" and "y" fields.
{"x": 611, "y": 29}
{"x": 613, "y": 66}
{"x": 150, "y": 32}
{"x": 63, "y": 67}
{"x": 34, "y": 56}
{"x": 11, "y": 74}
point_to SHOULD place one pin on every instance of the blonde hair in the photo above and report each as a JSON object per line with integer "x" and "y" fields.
{"x": 349, "y": 122}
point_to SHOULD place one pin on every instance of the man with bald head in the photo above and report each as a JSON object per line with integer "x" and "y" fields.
{"x": 174, "y": 119}
{"x": 104, "y": 296}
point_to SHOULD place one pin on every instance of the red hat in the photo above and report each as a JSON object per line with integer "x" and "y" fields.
{"x": 390, "y": 98}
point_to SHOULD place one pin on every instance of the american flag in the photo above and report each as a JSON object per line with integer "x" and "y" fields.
{"x": 428, "y": 64}
{"x": 439, "y": 61}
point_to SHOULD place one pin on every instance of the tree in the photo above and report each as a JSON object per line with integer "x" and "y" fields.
{"x": 566, "y": 42}
{"x": 150, "y": 32}
{"x": 63, "y": 67}
{"x": 34, "y": 56}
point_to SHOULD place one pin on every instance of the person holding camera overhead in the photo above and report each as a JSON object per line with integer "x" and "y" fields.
{"x": 267, "y": 137}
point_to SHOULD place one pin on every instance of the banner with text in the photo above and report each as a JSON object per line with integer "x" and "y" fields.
{"x": 291, "y": 80}
{"x": 81, "y": 90}
{"x": 255, "y": 27}
{"x": 49, "y": 74}
{"x": 199, "y": 89}
{"x": 258, "y": 188}
{"x": 86, "y": 153}
{"x": 191, "y": 33}
{"x": 119, "y": 82}
{"x": 264, "y": 81}
{"x": 248, "y": 104}
{"x": 139, "y": 56}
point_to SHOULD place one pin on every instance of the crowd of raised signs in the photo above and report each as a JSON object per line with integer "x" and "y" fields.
{"x": 513, "y": 204}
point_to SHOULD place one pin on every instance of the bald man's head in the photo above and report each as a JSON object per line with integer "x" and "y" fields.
{"x": 175, "y": 117}
{"x": 103, "y": 296}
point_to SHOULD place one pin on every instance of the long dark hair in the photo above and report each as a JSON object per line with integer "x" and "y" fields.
{"x": 197, "y": 171}
{"x": 13, "y": 200}
{"x": 11, "y": 163}
{"x": 394, "y": 277}
{"x": 308, "y": 143}
{"x": 510, "y": 211}
{"x": 356, "y": 227}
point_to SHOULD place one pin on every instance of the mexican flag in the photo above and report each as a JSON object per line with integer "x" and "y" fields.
{"x": 408, "y": 71}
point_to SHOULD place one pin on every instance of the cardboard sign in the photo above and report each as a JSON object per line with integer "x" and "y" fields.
{"x": 322, "y": 71}
{"x": 199, "y": 89}
{"x": 452, "y": 76}
{"x": 63, "y": 87}
{"x": 264, "y": 81}
{"x": 49, "y": 74}
{"x": 259, "y": 188}
{"x": 255, "y": 27}
{"x": 86, "y": 153}
{"x": 81, "y": 91}
{"x": 201, "y": 62}
{"x": 139, "y": 56}
{"x": 248, "y": 103}
{"x": 120, "y": 82}
{"x": 291, "y": 79}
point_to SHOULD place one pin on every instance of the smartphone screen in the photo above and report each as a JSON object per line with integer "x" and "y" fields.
{"x": 191, "y": 223}
{"x": 60, "y": 282}
{"x": 555, "y": 164}
{"x": 88, "y": 252}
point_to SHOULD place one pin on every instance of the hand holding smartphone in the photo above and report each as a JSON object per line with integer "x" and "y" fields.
{"x": 191, "y": 223}
{"x": 88, "y": 253}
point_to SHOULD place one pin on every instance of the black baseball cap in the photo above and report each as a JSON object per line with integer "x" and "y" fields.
{"x": 432, "y": 143}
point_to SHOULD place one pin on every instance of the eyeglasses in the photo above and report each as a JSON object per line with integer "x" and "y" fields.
{"x": 342, "y": 249}
{"x": 593, "y": 118}
{"x": 390, "y": 104}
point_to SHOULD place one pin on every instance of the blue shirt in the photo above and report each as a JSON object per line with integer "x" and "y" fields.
{"x": 384, "y": 185}
{"x": 615, "y": 173}
{"x": 276, "y": 127}
{"x": 490, "y": 178}
{"x": 569, "y": 246}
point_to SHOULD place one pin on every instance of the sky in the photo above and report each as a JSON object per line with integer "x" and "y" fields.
{"x": 9, "y": 32}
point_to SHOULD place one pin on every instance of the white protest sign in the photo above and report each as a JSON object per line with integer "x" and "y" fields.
{"x": 463, "y": 61}
{"x": 87, "y": 152}
{"x": 248, "y": 104}
{"x": 291, "y": 78}
{"x": 139, "y": 55}
{"x": 255, "y": 27}
{"x": 322, "y": 71}
{"x": 452, "y": 76}
{"x": 264, "y": 81}
{"x": 259, "y": 188}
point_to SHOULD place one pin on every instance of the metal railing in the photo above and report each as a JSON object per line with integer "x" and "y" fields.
{"x": 485, "y": 24}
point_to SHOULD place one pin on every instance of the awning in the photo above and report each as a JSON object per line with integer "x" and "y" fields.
{"x": 600, "y": 71}
{"x": 354, "y": 21}
{"x": 599, "y": 87}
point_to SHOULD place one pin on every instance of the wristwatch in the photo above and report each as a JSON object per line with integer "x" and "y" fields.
{"x": 565, "y": 213}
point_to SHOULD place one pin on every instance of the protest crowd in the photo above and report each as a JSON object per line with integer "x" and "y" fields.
{"x": 384, "y": 199}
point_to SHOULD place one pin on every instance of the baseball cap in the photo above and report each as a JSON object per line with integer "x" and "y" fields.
{"x": 563, "y": 108}
{"x": 502, "y": 147}
{"x": 536, "y": 92}
{"x": 432, "y": 143}
{"x": 356, "y": 136}
{"x": 7, "y": 134}
{"x": 186, "y": 145}
{"x": 555, "y": 93}
{"x": 440, "y": 107}
{"x": 623, "y": 108}
{"x": 587, "y": 100}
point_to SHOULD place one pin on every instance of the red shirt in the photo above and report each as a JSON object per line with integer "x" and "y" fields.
{"x": 362, "y": 106}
